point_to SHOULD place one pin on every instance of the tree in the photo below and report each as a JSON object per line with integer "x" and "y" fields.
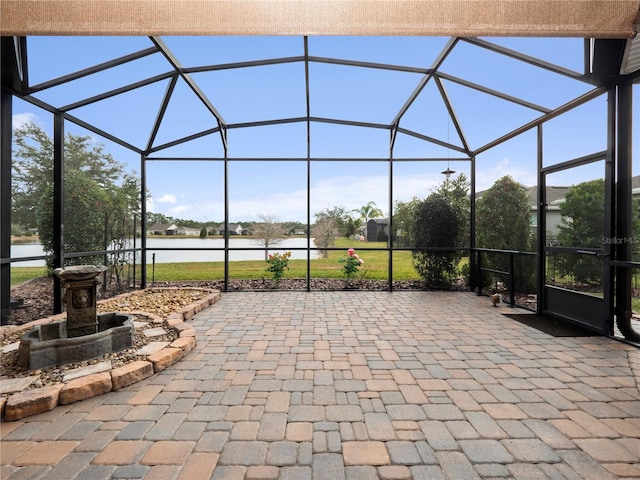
{"x": 436, "y": 225}
{"x": 100, "y": 199}
{"x": 330, "y": 223}
{"x": 503, "y": 216}
{"x": 368, "y": 211}
{"x": 582, "y": 226}
{"x": 503, "y": 222}
{"x": 324, "y": 233}
{"x": 456, "y": 192}
{"x": 352, "y": 226}
{"x": 268, "y": 231}
{"x": 83, "y": 232}
{"x": 403, "y": 217}
{"x": 32, "y": 168}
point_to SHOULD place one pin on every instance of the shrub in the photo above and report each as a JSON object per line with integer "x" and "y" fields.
{"x": 436, "y": 225}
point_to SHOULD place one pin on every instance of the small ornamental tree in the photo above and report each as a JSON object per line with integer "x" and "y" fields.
{"x": 203, "y": 232}
{"x": 268, "y": 232}
{"x": 436, "y": 225}
{"x": 330, "y": 224}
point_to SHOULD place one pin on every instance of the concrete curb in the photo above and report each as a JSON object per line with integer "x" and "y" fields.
{"x": 38, "y": 400}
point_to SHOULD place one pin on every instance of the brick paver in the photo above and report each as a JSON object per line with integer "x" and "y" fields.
{"x": 349, "y": 386}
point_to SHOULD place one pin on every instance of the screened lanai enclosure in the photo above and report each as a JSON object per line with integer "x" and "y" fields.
{"x": 229, "y": 131}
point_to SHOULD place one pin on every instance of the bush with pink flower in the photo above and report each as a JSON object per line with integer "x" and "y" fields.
{"x": 352, "y": 263}
{"x": 278, "y": 263}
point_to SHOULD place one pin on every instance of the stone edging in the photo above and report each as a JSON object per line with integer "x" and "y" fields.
{"x": 39, "y": 400}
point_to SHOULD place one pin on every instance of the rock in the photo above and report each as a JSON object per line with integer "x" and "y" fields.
{"x": 174, "y": 319}
{"x": 131, "y": 373}
{"x": 185, "y": 330}
{"x": 165, "y": 358}
{"x": 31, "y": 402}
{"x": 189, "y": 332}
{"x": 85, "y": 387}
{"x": 186, "y": 344}
{"x": 188, "y": 311}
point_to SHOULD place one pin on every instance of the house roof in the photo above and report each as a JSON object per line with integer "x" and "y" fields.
{"x": 163, "y": 226}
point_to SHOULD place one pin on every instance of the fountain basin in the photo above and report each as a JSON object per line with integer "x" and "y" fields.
{"x": 48, "y": 345}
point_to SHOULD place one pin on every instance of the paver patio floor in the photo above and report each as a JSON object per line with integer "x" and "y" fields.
{"x": 353, "y": 385}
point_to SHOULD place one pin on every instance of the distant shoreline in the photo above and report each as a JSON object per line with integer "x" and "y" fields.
{"x": 17, "y": 240}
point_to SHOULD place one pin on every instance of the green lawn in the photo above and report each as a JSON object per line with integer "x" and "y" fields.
{"x": 375, "y": 266}
{"x": 22, "y": 274}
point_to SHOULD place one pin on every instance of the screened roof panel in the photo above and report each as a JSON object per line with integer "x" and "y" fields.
{"x": 429, "y": 116}
{"x": 512, "y": 77}
{"x": 104, "y": 81}
{"x": 231, "y": 82}
{"x": 344, "y": 141}
{"x": 419, "y": 52}
{"x": 128, "y": 116}
{"x": 485, "y": 117}
{"x": 408, "y": 146}
{"x": 256, "y": 93}
{"x": 285, "y": 141}
{"x": 223, "y": 50}
{"x": 185, "y": 115}
{"x": 358, "y": 94}
{"x": 565, "y": 52}
{"x": 52, "y": 57}
{"x": 206, "y": 146}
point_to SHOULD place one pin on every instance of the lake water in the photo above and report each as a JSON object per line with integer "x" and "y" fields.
{"x": 173, "y": 256}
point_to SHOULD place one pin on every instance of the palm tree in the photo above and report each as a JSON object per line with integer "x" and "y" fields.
{"x": 368, "y": 211}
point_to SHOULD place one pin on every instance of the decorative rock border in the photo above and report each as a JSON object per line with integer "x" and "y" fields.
{"x": 38, "y": 400}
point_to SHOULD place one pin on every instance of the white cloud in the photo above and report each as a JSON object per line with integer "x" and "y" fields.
{"x": 179, "y": 211}
{"x": 488, "y": 174}
{"x": 19, "y": 120}
{"x": 167, "y": 198}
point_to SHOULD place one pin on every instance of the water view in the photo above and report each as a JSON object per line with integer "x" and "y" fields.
{"x": 34, "y": 249}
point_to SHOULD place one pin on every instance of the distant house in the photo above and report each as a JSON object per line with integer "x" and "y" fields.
{"x": 234, "y": 229}
{"x": 555, "y": 196}
{"x": 172, "y": 229}
{"x": 163, "y": 229}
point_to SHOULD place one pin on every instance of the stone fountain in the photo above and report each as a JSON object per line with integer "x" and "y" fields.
{"x": 84, "y": 334}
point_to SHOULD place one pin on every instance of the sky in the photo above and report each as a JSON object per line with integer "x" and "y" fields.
{"x": 195, "y": 189}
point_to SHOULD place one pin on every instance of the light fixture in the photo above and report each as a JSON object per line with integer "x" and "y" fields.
{"x": 448, "y": 172}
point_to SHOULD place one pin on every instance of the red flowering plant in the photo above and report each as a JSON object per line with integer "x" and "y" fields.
{"x": 278, "y": 263}
{"x": 352, "y": 263}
